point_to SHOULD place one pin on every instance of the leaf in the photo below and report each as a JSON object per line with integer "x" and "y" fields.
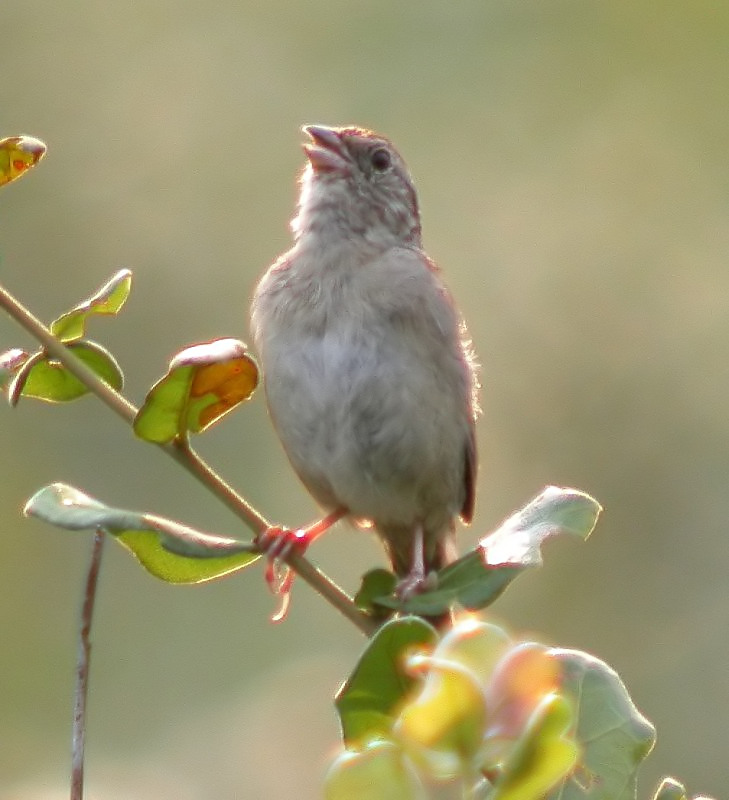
{"x": 479, "y": 578}
{"x": 204, "y": 382}
{"x": 375, "y": 583}
{"x": 10, "y": 362}
{"x": 379, "y": 771}
{"x": 370, "y": 698}
{"x": 167, "y": 549}
{"x": 518, "y": 540}
{"x": 544, "y": 755}
{"x": 108, "y": 300}
{"x": 670, "y": 789}
{"x": 46, "y": 379}
{"x": 466, "y": 581}
{"x": 443, "y": 725}
{"x": 613, "y": 735}
{"x": 18, "y": 154}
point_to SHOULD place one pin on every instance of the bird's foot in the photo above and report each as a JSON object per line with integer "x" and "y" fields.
{"x": 278, "y": 544}
{"x": 416, "y": 582}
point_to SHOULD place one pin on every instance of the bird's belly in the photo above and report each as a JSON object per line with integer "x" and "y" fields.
{"x": 371, "y": 427}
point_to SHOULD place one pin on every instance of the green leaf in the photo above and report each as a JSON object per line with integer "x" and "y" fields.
{"x": 18, "y": 154}
{"x": 375, "y": 583}
{"x": 108, "y": 300}
{"x": 479, "y": 578}
{"x": 371, "y": 696}
{"x": 167, "y": 549}
{"x": 380, "y": 771}
{"x": 467, "y": 582}
{"x": 613, "y": 735}
{"x": 519, "y": 539}
{"x": 204, "y": 382}
{"x": 10, "y": 362}
{"x": 46, "y": 379}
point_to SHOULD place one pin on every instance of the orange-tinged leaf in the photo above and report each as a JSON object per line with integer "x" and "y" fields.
{"x": 231, "y": 382}
{"x": 522, "y": 679}
{"x": 18, "y": 154}
{"x": 204, "y": 382}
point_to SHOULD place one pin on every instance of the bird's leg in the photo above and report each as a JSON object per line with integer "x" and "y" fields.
{"x": 417, "y": 580}
{"x": 277, "y": 542}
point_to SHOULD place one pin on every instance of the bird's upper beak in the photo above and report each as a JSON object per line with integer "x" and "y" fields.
{"x": 327, "y": 151}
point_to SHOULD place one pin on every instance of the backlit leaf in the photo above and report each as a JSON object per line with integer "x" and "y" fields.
{"x": 378, "y": 771}
{"x": 167, "y": 549}
{"x": 478, "y": 579}
{"x": 519, "y": 539}
{"x": 18, "y": 154}
{"x": 614, "y": 737}
{"x": 544, "y": 754}
{"x": 204, "y": 382}
{"x": 443, "y": 725}
{"x": 108, "y": 300}
{"x": 46, "y": 379}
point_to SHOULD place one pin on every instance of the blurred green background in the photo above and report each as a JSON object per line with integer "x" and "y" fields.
{"x": 571, "y": 159}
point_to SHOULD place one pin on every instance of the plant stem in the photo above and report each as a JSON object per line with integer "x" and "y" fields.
{"x": 78, "y": 737}
{"x": 184, "y": 455}
{"x": 116, "y": 401}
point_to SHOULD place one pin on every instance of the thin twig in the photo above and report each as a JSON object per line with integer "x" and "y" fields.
{"x": 78, "y": 737}
{"x": 184, "y": 455}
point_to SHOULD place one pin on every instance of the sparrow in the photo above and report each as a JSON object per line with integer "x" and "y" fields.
{"x": 369, "y": 373}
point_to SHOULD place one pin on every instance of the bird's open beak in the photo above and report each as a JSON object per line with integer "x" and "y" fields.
{"x": 326, "y": 152}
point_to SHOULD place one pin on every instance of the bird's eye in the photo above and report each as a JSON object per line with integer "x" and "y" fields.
{"x": 380, "y": 159}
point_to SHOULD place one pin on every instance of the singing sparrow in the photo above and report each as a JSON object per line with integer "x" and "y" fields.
{"x": 368, "y": 369}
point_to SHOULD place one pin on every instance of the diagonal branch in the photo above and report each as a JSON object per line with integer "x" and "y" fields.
{"x": 185, "y": 456}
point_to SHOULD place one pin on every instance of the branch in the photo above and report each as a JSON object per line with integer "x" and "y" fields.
{"x": 185, "y": 456}
{"x": 78, "y": 738}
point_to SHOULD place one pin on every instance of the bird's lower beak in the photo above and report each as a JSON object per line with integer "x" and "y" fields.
{"x": 327, "y": 152}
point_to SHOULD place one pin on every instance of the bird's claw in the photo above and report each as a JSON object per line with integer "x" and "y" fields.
{"x": 277, "y": 544}
{"x": 416, "y": 583}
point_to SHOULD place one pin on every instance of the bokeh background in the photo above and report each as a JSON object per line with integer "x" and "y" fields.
{"x": 571, "y": 159}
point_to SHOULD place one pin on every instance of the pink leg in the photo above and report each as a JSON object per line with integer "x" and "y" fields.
{"x": 277, "y": 543}
{"x": 416, "y": 580}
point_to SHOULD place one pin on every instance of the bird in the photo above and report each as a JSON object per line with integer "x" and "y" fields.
{"x": 369, "y": 372}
